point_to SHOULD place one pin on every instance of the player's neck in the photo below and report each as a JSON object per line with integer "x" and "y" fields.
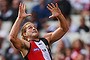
{"x": 37, "y": 39}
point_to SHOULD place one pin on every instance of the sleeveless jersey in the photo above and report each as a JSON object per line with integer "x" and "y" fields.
{"x": 39, "y": 50}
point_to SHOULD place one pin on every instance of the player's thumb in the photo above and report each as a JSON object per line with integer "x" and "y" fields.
{"x": 51, "y": 16}
{"x": 28, "y": 14}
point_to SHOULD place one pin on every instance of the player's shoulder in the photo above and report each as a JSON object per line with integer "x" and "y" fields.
{"x": 48, "y": 37}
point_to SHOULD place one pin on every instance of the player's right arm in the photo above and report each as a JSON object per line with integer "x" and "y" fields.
{"x": 18, "y": 43}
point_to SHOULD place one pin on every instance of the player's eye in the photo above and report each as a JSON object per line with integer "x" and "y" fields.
{"x": 30, "y": 27}
{"x": 35, "y": 26}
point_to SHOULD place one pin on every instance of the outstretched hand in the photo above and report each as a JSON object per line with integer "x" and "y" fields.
{"x": 54, "y": 9}
{"x": 21, "y": 12}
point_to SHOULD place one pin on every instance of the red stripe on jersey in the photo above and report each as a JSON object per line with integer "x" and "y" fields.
{"x": 35, "y": 52}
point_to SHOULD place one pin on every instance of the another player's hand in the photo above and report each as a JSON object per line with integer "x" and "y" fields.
{"x": 21, "y": 12}
{"x": 54, "y": 9}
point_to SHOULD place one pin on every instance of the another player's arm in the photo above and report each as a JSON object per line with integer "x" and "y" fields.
{"x": 62, "y": 29}
{"x": 18, "y": 43}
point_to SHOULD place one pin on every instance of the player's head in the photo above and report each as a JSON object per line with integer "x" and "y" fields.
{"x": 29, "y": 30}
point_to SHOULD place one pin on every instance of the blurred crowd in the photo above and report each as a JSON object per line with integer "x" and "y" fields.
{"x": 75, "y": 45}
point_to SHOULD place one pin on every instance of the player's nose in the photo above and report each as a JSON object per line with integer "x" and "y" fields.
{"x": 33, "y": 28}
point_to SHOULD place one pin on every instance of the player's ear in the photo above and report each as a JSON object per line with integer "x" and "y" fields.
{"x": 24, "y": 34}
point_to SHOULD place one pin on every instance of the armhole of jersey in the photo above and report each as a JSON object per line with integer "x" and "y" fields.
{"x": 28, "y": 53}
{"x": 45, "y": 41}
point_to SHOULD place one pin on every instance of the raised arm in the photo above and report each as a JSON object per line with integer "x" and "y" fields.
{"x": 15, "y": 28}
{"x": 62, "y": 29}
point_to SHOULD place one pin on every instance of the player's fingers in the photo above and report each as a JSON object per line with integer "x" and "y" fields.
{"x": 51, "y": 16}
{"x": 29, "y": 15}
{"x": 53, "y": 5}
{"x": 50, "y": 6}
{"x": 57, "y": 6}
{"x": 20, "y": 4}
{"x": 20, "y": 7}
{"x": 24, "y": 7}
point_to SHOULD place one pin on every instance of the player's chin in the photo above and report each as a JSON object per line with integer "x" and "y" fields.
{"x": 35, "y": 34}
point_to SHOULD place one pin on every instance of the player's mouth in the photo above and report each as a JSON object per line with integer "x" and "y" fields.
{"x": 34, "y": 31}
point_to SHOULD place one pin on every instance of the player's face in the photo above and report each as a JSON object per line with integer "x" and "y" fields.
{"x": 31, "y": 31}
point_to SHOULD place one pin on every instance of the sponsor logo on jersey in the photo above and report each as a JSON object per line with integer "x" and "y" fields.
{"x": 36, "y": 49}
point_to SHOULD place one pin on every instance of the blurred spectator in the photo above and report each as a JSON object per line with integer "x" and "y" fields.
{"x": 65, "y": 6}
{"x": 41, "y": 12}
{"x": 30, "y": 4}
{"x": 86, "y": 52}
{"x": 72, "y": 27}
{"x": 60, "y": 51}
{"x": 3, "y": 42}
{"x": 79, "y": 5}
{"x": 2, "y": 57}
{"x": 0, "y": 24}
{"x": 49, "y": 1}
{"x": 12, "y": 54}
{"x": 68, "y": 52}
{"x": 14, "y": 8}
{"x": 82, "y": 28}
{"x": 2, "y": 35}
{"x": 80, "y": 57}
{"x": 6, "y": 12}
{"x": 77, "y": 46}
{"x": 86, "y": 14}
{"x": 51, "y": 28}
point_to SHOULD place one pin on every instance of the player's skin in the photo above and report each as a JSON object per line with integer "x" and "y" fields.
{"x": 31, "y": 31}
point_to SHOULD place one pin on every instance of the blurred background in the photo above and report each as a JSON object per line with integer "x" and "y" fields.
{"x": 75, "y": 45}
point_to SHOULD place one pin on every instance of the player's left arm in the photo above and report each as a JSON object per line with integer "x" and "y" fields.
{"x": 62, "y": 29}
